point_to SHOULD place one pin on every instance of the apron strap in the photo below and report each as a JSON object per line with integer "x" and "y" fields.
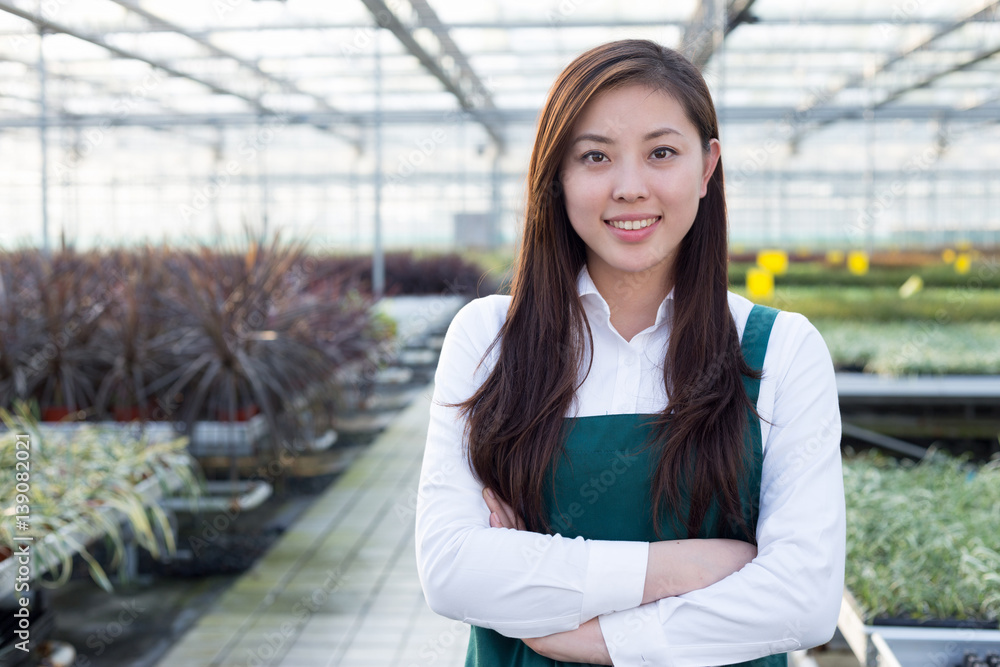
{"x": 754, "y": 345}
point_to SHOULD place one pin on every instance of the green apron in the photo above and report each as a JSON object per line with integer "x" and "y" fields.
{"x": 602, "y": 492}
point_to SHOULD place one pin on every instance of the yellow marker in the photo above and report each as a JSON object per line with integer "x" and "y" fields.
{"x": 760, "y": 284}
{"x": 857, "y": 262}
{"x": 912, "y": 285}
{"x": 774, "y": 261}
{"x": 834, "y": 257}
{"x": 963, "y": 263}
{"x": 948, "y": 255}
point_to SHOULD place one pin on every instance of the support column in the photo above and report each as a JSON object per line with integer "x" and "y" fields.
{"x": 43, "y": 139}
{"x": 378, "y": 258}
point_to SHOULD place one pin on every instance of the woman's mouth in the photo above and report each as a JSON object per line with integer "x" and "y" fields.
{"x": 632, "y": 224}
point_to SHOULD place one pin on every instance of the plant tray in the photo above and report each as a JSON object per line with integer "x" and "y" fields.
{"x": 152, "y": 490}
{"x": 909, "y": 646}
{"x": 212, "y": 438}
{"x": 221, "y": 496}
{"x": 208, "y": 438}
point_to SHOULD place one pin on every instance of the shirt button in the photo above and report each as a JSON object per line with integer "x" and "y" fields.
{"x": 629, "y": 360}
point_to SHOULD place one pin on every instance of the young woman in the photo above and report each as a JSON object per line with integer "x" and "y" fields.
{"x": 626, "y": 464}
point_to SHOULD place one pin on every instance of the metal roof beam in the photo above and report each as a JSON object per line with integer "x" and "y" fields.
{"x": 458, "y": 77}
{"x": 64, "y": 113}
{"x": 51, "y": 26}
{"x": 733, "y": 53}
{"x": 284, "y": 84}
{"x": 521, "y": 116}
{"x": 923, "y": 82}
{"x": 986, "y": 13}
{"x": 893, "y": 21}
{"x": 707, "y": 29}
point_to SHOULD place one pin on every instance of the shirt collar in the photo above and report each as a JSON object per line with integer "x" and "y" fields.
{"x": 588, "y": 292}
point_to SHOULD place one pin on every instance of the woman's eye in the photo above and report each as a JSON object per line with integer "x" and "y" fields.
{"x": 594, "y": 156}
{"x": 662, "y": 152}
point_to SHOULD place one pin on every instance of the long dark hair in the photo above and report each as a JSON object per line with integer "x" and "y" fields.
{"x": 515, "y": 417}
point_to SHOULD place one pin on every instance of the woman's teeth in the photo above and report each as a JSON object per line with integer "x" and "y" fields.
{"x": 632, "y": 224}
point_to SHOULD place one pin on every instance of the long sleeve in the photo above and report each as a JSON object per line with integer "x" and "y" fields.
{"x": 789, "y": 596}
{"x": 518, "y": 583}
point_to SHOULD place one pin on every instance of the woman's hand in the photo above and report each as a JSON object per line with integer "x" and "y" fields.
{"x": 501, "y": 514}
{"x": 585, "y": 644}
{"x": 676, "y": 567}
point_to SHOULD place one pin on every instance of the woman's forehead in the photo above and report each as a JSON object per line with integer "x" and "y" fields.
{"x": 632, "y": 110}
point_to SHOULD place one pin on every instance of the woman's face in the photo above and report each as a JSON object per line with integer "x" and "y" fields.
{"x": 632, "y": 180}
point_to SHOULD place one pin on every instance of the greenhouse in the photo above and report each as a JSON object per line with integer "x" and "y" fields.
{"x": 236, "y": 236}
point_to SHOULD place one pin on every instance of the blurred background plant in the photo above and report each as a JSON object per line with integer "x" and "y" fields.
{"x": 244, "y": 340}
{"x": 134, "y": 339}
{"x": 923, "y": 539}
{"x": 89, "y": 485}
{"x": 18, "y": 330}
{"x": 905, "y": 313}
{"x": 418, "y": 273}
{"x": 62, "y": 299}
{"x": 187, "y": 335}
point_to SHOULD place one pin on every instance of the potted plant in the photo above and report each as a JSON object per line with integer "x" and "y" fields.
{"x": 67, "y": 302}
{"x": 133, "y": 340}
{"x": 250, "y": 336}
{"x": 226, "y": 344}
{"x": 20, "y": 324}
{"x": 85, "y": 486}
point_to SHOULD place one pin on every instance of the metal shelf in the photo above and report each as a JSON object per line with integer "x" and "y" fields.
{"x": 897, "y": 646}
{"x": 152, "y": 490}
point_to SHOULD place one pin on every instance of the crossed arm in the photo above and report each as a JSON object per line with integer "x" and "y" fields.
{"x": 674, "y": 567}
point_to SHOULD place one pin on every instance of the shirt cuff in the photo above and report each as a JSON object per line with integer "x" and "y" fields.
{"x": 616, "y": 577}
{"x": 635, "y": 638}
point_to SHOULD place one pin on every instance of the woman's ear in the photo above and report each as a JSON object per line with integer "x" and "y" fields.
{"x": 711, "y": 159}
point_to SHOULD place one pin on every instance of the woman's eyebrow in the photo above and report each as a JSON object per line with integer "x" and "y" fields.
{"x": 660, "y": 132}
{"x": 597, "y": 138}
{"x": 601, "y": 139}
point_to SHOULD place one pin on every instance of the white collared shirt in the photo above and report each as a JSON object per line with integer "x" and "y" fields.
{"x": 524, "y": 584}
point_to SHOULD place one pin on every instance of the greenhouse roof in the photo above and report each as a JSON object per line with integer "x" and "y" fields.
{"x": 197, "y": 61}
{"x": 797, "y": 70}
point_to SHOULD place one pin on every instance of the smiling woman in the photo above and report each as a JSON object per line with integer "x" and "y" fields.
{"x": 625, "y": 463}
{"x": 632, "y": 189}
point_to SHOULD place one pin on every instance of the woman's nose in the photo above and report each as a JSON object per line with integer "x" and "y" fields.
{"x": 630, "y": 183}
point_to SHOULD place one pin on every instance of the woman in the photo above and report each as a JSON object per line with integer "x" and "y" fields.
{"x": 626, "y": 464}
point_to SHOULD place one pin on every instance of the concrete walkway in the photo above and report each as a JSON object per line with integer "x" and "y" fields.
{"x": 340, "y": 587}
